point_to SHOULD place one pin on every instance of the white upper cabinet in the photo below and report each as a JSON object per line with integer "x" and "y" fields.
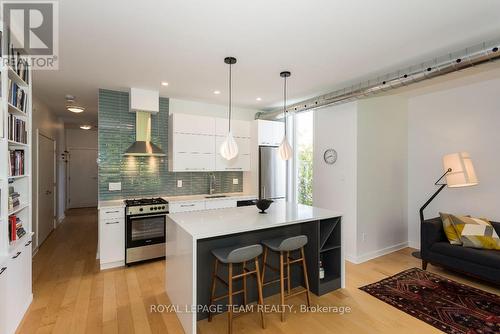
{"x": 194, "y": 143}
{"x": 238, "y": 128}
{"x": 193, "y": 124}
{"x": 270, "y": 133}
{"x": 241, "y": 162}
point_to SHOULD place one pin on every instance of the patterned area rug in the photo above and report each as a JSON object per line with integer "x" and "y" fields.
{"x": 445, "y": 304}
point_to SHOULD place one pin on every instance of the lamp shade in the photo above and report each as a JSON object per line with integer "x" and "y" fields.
{"x": 229, "y": 148}
{"x": 462, "y": 170}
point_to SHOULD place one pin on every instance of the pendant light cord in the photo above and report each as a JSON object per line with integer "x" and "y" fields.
{"x": 230, "y": 95}
{"x": 284, "y": 105}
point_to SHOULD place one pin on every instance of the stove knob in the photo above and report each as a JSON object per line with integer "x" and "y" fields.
{"x": 141, "y": 209}
{"x": 163, "y": 207}
{"x": 151, "y": 209}
{"x": 155, "y": 208}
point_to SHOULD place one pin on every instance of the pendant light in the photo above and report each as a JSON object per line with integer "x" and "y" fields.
{"x": 285, "y": 149}
{"x": 229, "y": 148}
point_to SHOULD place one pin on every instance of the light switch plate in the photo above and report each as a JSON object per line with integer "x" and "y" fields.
{"x": 179, "y": 183}
{"x": 235, "y": 181}
{"x": 115, "y": 186}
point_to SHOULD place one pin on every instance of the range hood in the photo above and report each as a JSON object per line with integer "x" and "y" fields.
{"x": 143, "y": 103}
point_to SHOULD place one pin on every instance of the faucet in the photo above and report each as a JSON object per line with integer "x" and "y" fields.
{"x": 211, "y": 178}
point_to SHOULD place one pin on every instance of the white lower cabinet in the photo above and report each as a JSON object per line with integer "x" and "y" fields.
{"x": 186, "y": 206}
{"x": 220, "y": 204}
{"x": 112, "y": 237}
{"x": 4, "y": 306}
{"x": 16, "y": 281}
{"x": 201, "y": 205}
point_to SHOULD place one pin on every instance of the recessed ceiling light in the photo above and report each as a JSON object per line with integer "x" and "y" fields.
{"x": 164, "y": 83}
{"x": 85, "y": 127}
{"x": 76, "y": 109}
{"x": 258, "y": 99}
{"x": 216, "y": 92}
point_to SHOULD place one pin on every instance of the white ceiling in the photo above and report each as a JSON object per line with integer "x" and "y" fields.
{"x": 117, "y": 44}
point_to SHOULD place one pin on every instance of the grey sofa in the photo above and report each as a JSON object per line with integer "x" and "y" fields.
{"x": 435, "y": 249}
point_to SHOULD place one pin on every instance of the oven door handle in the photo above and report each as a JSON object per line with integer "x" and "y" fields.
{"x": 147, "y": 216}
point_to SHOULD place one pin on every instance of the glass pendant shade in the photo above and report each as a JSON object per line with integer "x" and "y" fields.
{"x": 285, "y": 149}
{"x": 229, "y": 148}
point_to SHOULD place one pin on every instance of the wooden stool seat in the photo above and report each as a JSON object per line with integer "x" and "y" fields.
{"x": 231, "y": 256}
{"x": 286, "y": 245}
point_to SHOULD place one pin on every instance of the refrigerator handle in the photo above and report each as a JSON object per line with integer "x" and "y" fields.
{"x": 263, "y": 192}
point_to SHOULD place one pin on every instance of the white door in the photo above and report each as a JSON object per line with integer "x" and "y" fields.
{"x": 82, "y": 178}
{"x": 46, "y": 188}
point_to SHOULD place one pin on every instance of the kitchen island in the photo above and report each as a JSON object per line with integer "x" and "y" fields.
{"x": 192, "y": 235}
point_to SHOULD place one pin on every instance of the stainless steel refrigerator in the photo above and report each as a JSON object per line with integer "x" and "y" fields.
{"x": 272, "y": 173}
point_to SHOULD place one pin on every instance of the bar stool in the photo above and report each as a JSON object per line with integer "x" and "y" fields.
{"x": 286, "y": 245}
{"x": 231, "y": 256}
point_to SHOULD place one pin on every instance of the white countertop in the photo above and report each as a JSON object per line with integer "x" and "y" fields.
{"x": 213, "y": 223}
{"x": 203, "y": 197}
{"x": 175, "y": 199}
{"x": 118, "y": 203}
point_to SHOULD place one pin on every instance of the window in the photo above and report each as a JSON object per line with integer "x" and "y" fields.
{"x": 303, "y": 123}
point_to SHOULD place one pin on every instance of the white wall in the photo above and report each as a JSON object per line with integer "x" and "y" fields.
{"x": 250, "y": 179}
{"x": 368, "y": 181}
{"x": 464, "y": 118}
{"x": 48, "y": 125}
{"x": 334, "y": 186}
{"x": 381, "y": 176}
{"x": 77, "y": 138}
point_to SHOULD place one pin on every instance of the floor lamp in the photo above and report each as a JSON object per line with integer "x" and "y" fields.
{"x": 459, "y": 172}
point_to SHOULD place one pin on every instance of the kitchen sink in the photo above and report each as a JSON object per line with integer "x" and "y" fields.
{"x": 216, "y": 196}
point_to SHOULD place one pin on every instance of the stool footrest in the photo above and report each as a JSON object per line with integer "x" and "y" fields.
{"x": 227, "y": 295}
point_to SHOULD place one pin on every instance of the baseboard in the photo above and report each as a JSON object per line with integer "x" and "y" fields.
{"x": 372, "y": 255}
{"x": 110, "y": 265}
{"x": 413, "y": 244}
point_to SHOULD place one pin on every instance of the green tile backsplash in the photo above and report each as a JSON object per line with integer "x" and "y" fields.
{"x": 144, "y": 176}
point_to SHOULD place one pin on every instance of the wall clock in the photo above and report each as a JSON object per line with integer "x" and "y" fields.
{"x": 330, "y": 156}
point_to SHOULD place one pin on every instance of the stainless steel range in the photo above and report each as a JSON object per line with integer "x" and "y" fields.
{"x": 145, "y": 230}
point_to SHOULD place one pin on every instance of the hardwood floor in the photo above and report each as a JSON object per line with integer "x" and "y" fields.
{"x": 71, "y": 295}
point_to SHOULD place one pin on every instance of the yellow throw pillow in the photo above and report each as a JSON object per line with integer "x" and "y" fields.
{"x": 449, "y": 229}
{"x": 476, "y": 232}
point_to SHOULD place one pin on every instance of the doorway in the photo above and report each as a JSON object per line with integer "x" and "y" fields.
{"x": 46, "y": 188}
{"x": 82, "y": 178}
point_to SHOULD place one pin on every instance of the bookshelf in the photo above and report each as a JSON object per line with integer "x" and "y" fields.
{"x": 15, "y": 176}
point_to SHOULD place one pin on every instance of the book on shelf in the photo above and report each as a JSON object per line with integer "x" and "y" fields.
{"x": 16, "y": 162}
{"x": 18, "y": 63}
{"x": 16, "y": 229}
{"x": 17, "y": 129}
{"x": 18, "y": 97}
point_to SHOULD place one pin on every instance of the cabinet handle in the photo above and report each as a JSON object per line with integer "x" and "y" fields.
{"x": 17, "y": 255}
{"x": 29, "y": 243}
{"x": 112, "y": 223}
{"x": 2, "y": 270}
{"x": 234, "y": 168}
{"x": 116, "y": 211}
{"x": 186, "y": 205}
